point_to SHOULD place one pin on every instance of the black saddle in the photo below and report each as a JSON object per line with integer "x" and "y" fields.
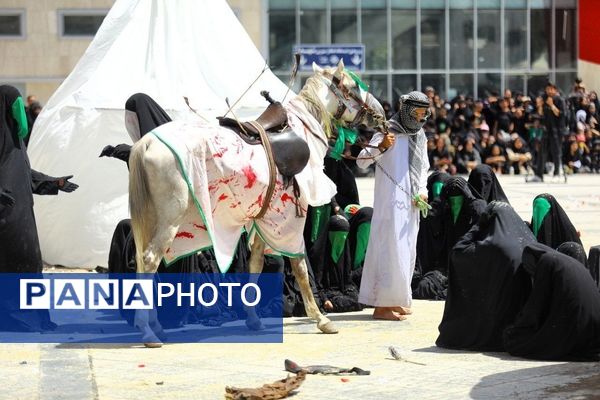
{"x": 290, "y": 152}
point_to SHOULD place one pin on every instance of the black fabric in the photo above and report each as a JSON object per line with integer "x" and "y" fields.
{"x": 19, "y": 249}
{"x": 486, "y": 284}
{"x": 575, "y": 251}
{"x": 561, "y": 319}
{"x": 556, "y": 227}
{"x": 431, "y": 286}
{"x": 150, "y": 116}
{"x": 431, "y": 252}
{"x": 362, "y": 216}
{"x": 336, "y": 280}
{"x": 485, "y": 185}
{"x": 444, "y": 231}
{"x": 345, "y": 183}
{"x": 594, "y": 264}
{"x": 19, "y": 244}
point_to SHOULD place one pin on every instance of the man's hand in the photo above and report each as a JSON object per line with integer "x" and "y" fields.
{"x": 423, "y": 197}
{"x": 550, "y": 101}
{"x": 387, "y": 142}
{"x": 6, "y": 199}
{"x": 65, "y": 185}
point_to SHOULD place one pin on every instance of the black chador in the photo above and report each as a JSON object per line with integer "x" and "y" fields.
{"x": 486, "y": 284}
{"x": 485, "y": 185}
{"x": 561, "y": 319}
{"x": 550, "y": 223}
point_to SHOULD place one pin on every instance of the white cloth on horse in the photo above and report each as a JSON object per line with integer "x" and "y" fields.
{"x": 228, "y": 179}
{"x": 391, "y": 254}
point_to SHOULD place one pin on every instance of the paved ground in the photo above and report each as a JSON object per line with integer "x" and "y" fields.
{"x": 201, "y": 371}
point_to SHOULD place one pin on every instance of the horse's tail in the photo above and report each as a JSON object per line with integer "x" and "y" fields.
{"x": 140, "y": 201}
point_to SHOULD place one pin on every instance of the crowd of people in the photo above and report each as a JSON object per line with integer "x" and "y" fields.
{"x": 514, "y": 134}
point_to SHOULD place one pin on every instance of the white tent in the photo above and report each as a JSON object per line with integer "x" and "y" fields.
{"x": 167, "y": 49}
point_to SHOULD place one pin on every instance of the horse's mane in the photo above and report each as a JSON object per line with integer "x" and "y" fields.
{"x": 310, "y": 97}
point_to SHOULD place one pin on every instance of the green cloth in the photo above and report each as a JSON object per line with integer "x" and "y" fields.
{"x": 358, "y": 81}
{"x": 18, "y": 113}
{"x": 319, "y": 219}
{"x": 337, "y": 239}
{"x": 456, "y": 203}
{"x": 541, "y": 207}
{"x": 343, "y": 135}
{"x": 436, "y": 189}
{"x": 362, "y": 240}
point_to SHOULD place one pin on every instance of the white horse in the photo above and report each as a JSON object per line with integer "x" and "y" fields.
{"x": 192, "y": 185}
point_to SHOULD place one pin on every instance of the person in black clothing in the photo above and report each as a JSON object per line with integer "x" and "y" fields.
{"x": 19, "y": 242}
{"x": 429, "y": 279}
{"x": 575, "y": 251}
{"x": 451, "y": 216}
{"x": 485, "y": 185}
{"x": 553, "y": 113}
{"x": 468, "y": 157}
{"x": 561, "y": 318}
{"x": 550, "y": 223}
{"x": 486, "y": 285}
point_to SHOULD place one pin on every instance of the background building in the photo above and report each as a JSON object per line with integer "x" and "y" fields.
{"x": 472, "y": 47}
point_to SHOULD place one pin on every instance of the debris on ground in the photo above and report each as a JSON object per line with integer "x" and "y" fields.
{"x": 397, "y": 356}
{"x": 272, "y": 391}
{"x": 323, "y": 369}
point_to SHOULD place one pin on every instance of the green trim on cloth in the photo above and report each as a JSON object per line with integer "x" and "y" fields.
{"x": 362, "y": 241}
{"x": 541, "y": 207}
{"x": 456, "y": 203}
{"x": 276, "y": 250}
{"x": 18, "y": 113}
{"x": 185, "y": 176}
{"x": 319, "y": 219}
{"x": 436, "y": 189}
{"x": 337, "y": 239}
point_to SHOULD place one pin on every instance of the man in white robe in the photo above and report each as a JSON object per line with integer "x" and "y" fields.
{"x": 400, "y": 181}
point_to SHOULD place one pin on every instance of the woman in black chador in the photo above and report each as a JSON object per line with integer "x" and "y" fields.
{"x": 486, "y": 284}
{"x": 485, "y": 185}
{"x": 452, "y": 215}
{"x": 429, "y": 279}
{"x": 550, "y": 223}
{"x": 19, "y": 244}
{"x": 561, "y": 319}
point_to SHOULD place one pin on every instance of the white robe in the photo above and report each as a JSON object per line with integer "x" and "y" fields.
{"x": 392, "y": 250}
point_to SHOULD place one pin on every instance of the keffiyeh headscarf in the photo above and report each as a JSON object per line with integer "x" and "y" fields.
{"x": 405, "y": 124}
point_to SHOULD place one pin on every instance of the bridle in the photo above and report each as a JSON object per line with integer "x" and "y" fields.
{"x": 345, "y": 96}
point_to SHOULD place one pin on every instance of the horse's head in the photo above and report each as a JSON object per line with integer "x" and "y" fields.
{"x": 340, "y": 97}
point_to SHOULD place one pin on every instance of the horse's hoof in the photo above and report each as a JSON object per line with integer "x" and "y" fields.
{"x": 254, "y": 324}
{"x": 153, "y": 345}
{"x": 327, "y": 327}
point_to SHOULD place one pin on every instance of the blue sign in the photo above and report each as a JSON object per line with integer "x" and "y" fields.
{"x": 330, "y": 54}
{"x": 97, "y": 308}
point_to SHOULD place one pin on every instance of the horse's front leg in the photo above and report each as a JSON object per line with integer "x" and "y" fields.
{"x": 300, "y": 271}
{"x": 257, "y": 259}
